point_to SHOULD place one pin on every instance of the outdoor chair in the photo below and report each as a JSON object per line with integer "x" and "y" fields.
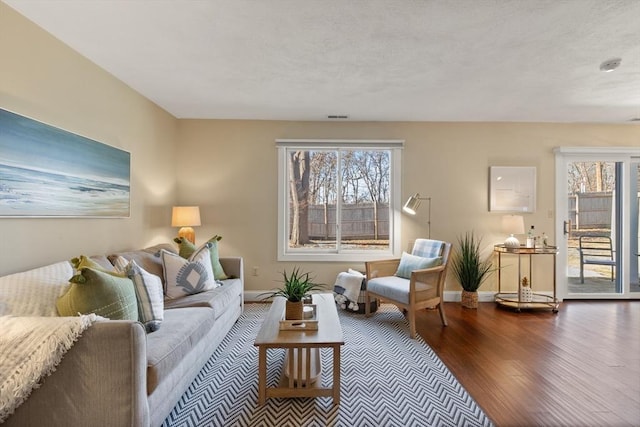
{"x": 596, "y": 250}
{"x": 413, "y": 282}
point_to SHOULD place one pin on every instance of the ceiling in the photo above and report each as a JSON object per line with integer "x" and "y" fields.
{"x": 380, "y": 60}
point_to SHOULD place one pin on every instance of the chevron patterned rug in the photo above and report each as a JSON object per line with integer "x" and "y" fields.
{"x": 387, "y": 379}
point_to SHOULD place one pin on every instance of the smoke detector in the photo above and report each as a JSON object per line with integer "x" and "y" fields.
{"x": 610, "y": 64}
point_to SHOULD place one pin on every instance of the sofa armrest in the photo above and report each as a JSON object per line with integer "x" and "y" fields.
{"x": 101, "y": 381}
{"x": 233, "y": 267}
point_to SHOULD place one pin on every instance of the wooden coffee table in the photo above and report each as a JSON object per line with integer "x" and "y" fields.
{"x": 299, "y": 345}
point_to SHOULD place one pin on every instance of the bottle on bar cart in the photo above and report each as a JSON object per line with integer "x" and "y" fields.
{"x": 531, "y": 240}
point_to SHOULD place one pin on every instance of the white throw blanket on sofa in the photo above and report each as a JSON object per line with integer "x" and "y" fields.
{"x": 32, "y": 338}
{"x": 30, "y": 349}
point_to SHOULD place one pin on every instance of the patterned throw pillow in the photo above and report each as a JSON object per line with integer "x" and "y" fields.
{"x": 149, "y": 293}
{"x": 99, "y": 292}
{"x": 120, "y": 264}
{"x": 187, "y": 276}
{"x": 147, "y": 258}
{"x": 186, "y": 249}
{"x": 409, "y": 262}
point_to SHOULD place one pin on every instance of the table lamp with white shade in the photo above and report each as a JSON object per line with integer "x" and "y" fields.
{"x": 186, "y": 217}
{"x": 512, "y": 224}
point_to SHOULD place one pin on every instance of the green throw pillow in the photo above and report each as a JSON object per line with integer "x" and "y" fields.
{"x": 186, "y": 249}
{"x": 96, "y": 291}
{"x": 82, "y": 262}
{"x": 409, "y": 262}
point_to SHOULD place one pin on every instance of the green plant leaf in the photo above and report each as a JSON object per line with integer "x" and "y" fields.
{"x": 467, "y": 265}
{"x": 296, "y": 286}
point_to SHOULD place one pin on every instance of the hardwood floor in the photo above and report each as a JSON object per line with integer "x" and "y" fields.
{"x": 580, "y": 367}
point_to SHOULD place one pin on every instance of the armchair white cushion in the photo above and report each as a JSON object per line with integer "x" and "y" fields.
{"x": 424, "y": 286}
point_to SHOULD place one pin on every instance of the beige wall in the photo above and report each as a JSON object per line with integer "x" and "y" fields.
{"x": 232, "y": 174}
{"x": 43, "y": 79}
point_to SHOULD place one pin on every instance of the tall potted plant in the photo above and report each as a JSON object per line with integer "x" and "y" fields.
{"x": 296, "y": 287}
{"x": 470, "y": 269}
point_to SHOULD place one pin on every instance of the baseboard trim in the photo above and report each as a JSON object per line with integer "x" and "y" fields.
{"x": 456, "y": 296}
{"x": 449, "y": 296}
{"x": 253, "y": 296}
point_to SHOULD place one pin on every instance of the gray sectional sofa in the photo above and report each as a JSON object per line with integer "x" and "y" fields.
{"x": 118, "y": 375}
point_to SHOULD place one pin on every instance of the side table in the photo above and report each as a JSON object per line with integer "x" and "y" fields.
{"x": 513, "y": 300}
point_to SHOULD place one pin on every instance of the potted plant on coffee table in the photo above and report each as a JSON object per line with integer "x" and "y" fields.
{"x": 470, "y": 269}
{"x": 296, "y": 287}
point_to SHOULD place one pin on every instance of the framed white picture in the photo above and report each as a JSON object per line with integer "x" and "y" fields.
{"x": 512, "y": 189}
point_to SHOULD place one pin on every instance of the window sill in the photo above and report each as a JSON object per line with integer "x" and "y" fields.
{"x": 337, "y": 257}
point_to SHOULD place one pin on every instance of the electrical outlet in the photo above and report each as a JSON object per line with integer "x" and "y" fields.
{"x": 255, "y": 271}
{"x": 549, "y": 214}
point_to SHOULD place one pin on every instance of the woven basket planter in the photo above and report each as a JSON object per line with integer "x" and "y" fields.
{"x": 469, "y": 299}
{"x": 294, "y": 310}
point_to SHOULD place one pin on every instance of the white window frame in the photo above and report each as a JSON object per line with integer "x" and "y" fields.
{"x": 311, "y": 255}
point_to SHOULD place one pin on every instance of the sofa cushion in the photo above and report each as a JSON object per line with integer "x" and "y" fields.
{"x": 217, "y": 299}
{"x": 102, "y": 261}
{"x": 149, "y": 293}
{"x": 394, "y": 288}
{"x": 187, "y": 276}
{"x": 99, "y": 292}
{"x": 34, "y": 292}
{"x": 147, "y": 258}
{"x": 186, "y": 249}
{"x": 166, "y": 348}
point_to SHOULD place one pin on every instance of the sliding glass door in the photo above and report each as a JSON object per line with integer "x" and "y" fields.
{"x": 634, "y": 195}
{"x": 597, "y": 223}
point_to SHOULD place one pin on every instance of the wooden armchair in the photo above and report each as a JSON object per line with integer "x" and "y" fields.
{"x": 424, "y": 287}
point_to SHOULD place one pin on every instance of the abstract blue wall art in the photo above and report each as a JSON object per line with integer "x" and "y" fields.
{"x": 49, "y": 172}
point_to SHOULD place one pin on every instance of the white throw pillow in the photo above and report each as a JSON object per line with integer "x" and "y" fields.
{"x": 187, "y": 276}
{"x": 35, "y": 292}
{"x": 149, "y": 293}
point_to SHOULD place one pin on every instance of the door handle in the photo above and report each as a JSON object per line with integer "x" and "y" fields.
{"x": 567, "y": 227}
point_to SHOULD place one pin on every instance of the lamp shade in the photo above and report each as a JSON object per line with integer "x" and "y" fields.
{"x": 512, "y": 224}
{"x": 412, "y": 204}
{"x": 185, "y": 216}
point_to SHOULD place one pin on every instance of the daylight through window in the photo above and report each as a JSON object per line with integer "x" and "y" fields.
{"x": 338, "y": 198}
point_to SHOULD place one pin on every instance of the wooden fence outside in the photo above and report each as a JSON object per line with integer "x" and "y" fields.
{"x": 590, "y": 210}
{"x": 358, "y": 222}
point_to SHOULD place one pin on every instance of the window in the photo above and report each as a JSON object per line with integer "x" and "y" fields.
{"x": 338, "y": 200}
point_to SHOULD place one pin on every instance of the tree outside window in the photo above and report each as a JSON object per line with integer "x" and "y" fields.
{"x": 339, "y": 200}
